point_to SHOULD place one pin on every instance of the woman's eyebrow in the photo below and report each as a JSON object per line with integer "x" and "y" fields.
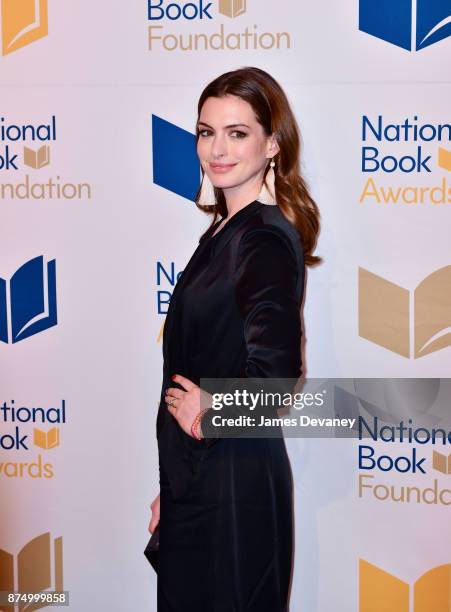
{"x": 232, "y": 125}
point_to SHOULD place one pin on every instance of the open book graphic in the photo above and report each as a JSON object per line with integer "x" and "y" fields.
{"x": 28, "y": 301}
{"x": 384, "y": 313}
{"x": 433, "y": 22}
{"x": 444, "y": 158}
{"x": 380, "y": 590}
{"x": 36, "y": 159}
{"x": 46, "y": 440}
{"x": 441, "y": 462}
{"x": 32, "y": 571}
{"x": 409, "y": 24}
{"x": 23, "y": 21}
{"x": 232, "y": 8}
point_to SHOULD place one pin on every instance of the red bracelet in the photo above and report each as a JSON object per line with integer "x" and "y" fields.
{"x": 196, "y": 422}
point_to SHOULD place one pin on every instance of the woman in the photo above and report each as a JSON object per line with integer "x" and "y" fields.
{"x": 225, "y": 505}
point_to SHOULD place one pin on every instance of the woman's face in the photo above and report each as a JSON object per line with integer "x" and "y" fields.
{"x": 232, "y": 146}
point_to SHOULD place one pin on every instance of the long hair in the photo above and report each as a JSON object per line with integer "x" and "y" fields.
{"x": 273, "y": 112}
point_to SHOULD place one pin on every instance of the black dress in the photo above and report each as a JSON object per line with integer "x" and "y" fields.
{"x": 226, "y": 504}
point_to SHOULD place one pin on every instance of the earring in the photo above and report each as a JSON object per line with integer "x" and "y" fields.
{"x": 207, "y": 192}
{"x": 268, "y": 190}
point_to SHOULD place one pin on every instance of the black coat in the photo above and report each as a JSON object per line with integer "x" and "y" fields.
{"x": 226, "y": 504}
{"x": 236, "y": 316}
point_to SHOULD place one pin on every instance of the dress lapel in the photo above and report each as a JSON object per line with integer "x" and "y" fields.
{"x": 220, "y": 241}
{"x": 229, "y": 229}
{"x": 169, "y": 321}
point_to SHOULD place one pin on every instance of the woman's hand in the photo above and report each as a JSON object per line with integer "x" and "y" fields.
{"x": 184, "y": 405}
{"x": 155, "y": 507}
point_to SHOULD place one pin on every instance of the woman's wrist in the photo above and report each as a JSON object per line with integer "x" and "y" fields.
{"x": 196, "y": 429}
{"x": 199, "y": 427}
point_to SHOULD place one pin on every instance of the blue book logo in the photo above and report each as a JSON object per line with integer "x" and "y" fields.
{"x": 176, "y": 165}
{"x": 32, "y": 300}
{"x": 409, "y": 24}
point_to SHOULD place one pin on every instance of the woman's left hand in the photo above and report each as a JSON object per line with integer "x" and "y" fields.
{"x": 184, "y": 405}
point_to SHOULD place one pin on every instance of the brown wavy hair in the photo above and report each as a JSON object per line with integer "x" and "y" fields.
{"x": 273, "y": 112}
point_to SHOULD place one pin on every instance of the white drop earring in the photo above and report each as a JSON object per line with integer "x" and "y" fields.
{"x": 207, "y": 192}
{"x": 267, "y": 193}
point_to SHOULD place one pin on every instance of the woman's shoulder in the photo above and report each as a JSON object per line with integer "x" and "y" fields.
{"x": 268, "y": 226}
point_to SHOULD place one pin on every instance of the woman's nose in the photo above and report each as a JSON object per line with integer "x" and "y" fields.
{"x": 218, "y": 147}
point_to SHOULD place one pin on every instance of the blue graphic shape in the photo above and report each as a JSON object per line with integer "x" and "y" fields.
{"x": 28, "y": 309}
{"x": 3, "y": 312}
{"x": 176, "y": 165}
{"x": 392, "y": 21}
{"x": 433, "y": 22}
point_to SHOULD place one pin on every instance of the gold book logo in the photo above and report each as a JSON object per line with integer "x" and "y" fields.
{"x": 384, "y": 313}
{"x": 46, "y": 440}
{"x": 380, "y": 590}
{"x": 23, "y": 22}
{"x": 232, "y": 8}
{"x": 31, "y": 571}
{"x": 444, "y": 158}
{"x": 36, "y": 159}
{"x": 441, "y": 463}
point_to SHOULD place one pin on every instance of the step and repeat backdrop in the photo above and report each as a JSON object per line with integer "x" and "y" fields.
{"x": 98, "y": 173}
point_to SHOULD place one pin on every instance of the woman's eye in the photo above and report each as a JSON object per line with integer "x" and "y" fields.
{"x": 203, "y": 132}
{"x": 239, "y": 134}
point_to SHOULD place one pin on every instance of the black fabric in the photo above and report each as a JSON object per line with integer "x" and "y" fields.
{"x": 226, "y": 504}
{"x": 151, "y": 550}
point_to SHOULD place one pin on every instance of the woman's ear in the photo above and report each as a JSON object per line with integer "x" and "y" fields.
{"x": 272, "y": 147}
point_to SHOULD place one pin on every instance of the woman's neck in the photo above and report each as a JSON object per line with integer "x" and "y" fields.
{"x": 237, "y": 201}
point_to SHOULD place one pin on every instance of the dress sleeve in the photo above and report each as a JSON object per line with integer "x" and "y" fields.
{"x": 266, "y": 293}
{"x": 265, "y": 282}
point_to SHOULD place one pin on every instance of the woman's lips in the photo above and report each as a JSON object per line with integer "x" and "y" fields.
{"x": 221, "y": 168}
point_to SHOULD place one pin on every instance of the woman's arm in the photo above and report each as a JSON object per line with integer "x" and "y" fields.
{"x": 267, "y": 294}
